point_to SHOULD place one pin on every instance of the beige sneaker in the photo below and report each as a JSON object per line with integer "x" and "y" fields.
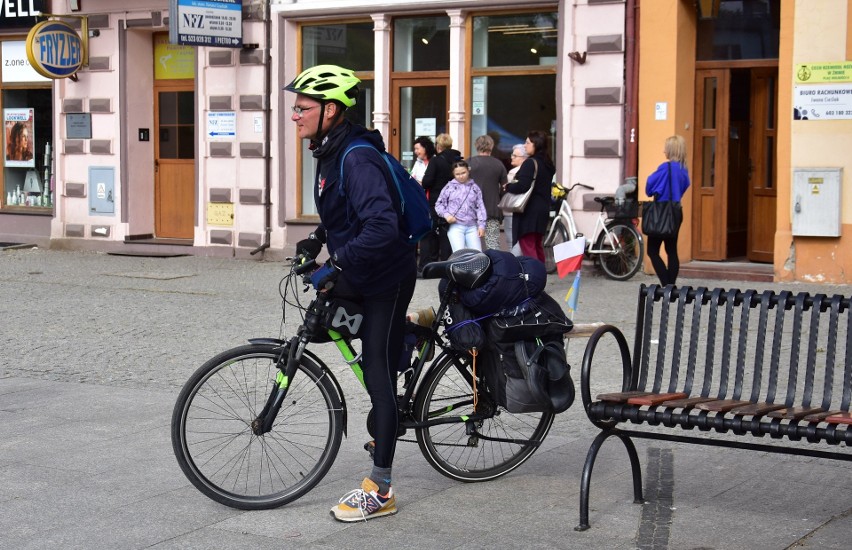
{"x": 365, "y": 503}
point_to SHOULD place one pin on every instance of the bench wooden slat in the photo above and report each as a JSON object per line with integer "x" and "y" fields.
{"x": 621, "y": 397}
{"x": 819, "y": 417}
{"x": 721, "y": 405}
{"x": 687, "y": 403}
{"x": 794, "y": 413}
{"x": 841, "y": 418}
{"x": 655, "y": 398}
{"x": 756, "y": 409}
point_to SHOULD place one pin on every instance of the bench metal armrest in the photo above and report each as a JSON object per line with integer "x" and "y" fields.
{"x": 588, "y": 356}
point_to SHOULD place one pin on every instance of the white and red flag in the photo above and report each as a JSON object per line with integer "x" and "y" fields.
{"x": 569, "y": 256}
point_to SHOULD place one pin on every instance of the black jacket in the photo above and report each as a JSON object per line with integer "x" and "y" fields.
{"x": 536, "y": 215}
{"x": 363, "y": 227}
{"x": 438, "y": 172}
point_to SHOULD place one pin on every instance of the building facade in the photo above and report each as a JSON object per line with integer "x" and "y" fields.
{"x": 159, "y": 147}
{"x": 761, "y": 91}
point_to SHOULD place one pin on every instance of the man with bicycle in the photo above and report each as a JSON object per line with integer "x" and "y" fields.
{"x": 369, "y": 256}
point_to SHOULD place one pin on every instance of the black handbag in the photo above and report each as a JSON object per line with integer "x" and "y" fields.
{"x": 662, "y": 219}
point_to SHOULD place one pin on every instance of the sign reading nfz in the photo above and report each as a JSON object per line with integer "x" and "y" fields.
{"x": 206, "y": 23}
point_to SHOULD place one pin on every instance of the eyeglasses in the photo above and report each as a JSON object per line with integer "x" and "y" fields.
{"x": 517, "y": 156}
{"x": 299, "y": 111}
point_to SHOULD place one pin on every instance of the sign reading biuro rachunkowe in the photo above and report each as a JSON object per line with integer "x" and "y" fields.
{"x": 54, "y": 49}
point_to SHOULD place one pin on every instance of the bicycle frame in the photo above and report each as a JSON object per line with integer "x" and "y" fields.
{"x": 293, "y": 349}
{"x": 565, "y": 216}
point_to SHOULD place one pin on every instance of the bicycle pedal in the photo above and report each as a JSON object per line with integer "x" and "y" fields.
{"x": 473, "y": 441}
{"x": 370, "y": 447}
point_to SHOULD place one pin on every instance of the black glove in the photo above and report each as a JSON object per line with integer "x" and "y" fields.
{"x": 312, "y": 246}
{"x": 328, "y": 273}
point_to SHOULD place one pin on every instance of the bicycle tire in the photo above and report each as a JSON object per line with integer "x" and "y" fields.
{"x": 214, "y": 444}
{"x": 447, "y": 447}
{"x": 624, "y": 264}
{"x": 560, "y": 235}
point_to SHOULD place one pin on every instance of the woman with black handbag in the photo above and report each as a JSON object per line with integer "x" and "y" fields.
{"x": 535, "y": 175}
{"x": 661, "y": 219}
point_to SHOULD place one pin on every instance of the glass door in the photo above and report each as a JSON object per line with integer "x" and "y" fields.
{"x": 420, "y": 109}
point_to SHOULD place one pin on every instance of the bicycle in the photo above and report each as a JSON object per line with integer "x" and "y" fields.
{"x": 617, "y": 246}
{"x": 258, "y": 426}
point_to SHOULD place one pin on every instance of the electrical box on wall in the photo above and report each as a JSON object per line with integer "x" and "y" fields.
{"x": 816, "y": 202}
{"x": 101, "y": 190}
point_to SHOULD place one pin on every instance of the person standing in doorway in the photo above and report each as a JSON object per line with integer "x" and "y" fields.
{"x": 369, "y": 255}
{"x": 668, "y": 183}
{"x": 436, "y": 246}
{"x": 424, "y": 150}
{"x": 490, "y": 175}
{"x": 528, "y": 227}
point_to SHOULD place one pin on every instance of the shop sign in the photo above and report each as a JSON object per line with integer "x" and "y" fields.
{"x": 54, "y": 49}
{"x": 824, "y": 72}
{"x": 206, "y": 23}
{"x": 20, "y": 13}
{"x": 16, "y": 66}
{"x": 222, "y": 125}
{"x": 823, "y": 102}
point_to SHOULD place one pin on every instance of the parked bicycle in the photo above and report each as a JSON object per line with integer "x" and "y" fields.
{"x": 259, "y": 425}
{"x": 615, "y": 244}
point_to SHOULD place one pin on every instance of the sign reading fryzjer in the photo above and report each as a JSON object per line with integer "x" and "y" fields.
{"x": 54, "y": 49}
{"x": 206, "y": 23}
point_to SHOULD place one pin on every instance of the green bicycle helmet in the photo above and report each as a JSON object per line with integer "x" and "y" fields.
{"x": 327, "y": 83}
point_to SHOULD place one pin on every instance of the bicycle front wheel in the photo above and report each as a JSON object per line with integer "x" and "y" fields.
{"x": 447, "y": 389}
{"x": 213, "y": 440}
{"x": 621, "y": 257}
{"x": 560, "y": 235}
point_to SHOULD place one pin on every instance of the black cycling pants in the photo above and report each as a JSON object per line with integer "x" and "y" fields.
{"x": 381, "y": 346}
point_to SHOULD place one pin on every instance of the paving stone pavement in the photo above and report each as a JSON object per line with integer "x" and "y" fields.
{"x": 95, "y": 348}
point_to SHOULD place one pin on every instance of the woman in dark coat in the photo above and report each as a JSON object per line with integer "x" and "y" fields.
{"x": 529, "y": 226}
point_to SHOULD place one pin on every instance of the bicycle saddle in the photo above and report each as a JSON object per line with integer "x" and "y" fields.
{"x": 467, "y": 267}
{"x": 606, "y": 201}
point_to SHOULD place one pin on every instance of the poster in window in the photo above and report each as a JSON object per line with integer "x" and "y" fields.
{"x": 18, "y": 124}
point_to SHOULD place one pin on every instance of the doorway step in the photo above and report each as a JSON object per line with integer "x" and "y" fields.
{"x": 728, "y": 271}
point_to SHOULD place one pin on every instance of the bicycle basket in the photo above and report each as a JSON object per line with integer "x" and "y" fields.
{"x": 629, "y": 208}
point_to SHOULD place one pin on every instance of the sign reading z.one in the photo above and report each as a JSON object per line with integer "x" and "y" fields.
{"x": 54, "y": 49}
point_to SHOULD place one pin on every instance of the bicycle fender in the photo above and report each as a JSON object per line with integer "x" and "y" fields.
{"x": 273, "y": 341}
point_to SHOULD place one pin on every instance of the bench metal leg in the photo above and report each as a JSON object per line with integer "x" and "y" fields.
{"x": 586, "y": 480}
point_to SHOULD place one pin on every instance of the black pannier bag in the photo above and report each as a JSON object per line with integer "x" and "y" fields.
{"x": 529, "y": 376}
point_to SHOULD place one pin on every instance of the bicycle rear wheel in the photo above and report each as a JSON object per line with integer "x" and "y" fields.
{"x": 447, "y": 389}
{"x": 622, "y": 262}
{"x": 560, "y": 235}
{"x": 213, "y": 440}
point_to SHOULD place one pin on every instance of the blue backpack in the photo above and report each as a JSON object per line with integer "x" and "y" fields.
{"x": 416, "y": 214}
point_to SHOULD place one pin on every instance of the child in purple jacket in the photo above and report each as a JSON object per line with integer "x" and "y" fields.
{"x": 460, "y": 203}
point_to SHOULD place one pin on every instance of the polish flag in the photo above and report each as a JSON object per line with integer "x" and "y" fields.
{"x": 569, "y": 256}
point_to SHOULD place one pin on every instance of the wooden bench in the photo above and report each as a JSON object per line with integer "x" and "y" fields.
{"x": 743, "y": 364}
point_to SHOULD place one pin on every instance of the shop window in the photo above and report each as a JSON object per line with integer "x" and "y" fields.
{"x": 27, "y": 137}
{"x": 515, "y": 40}
{"x": 349, "y": 45}
{"x": 421, "y": 44}
{"x": 739, "y": 30}
{"x": 513, "y": 87}
{"x": 508, "y": 107}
